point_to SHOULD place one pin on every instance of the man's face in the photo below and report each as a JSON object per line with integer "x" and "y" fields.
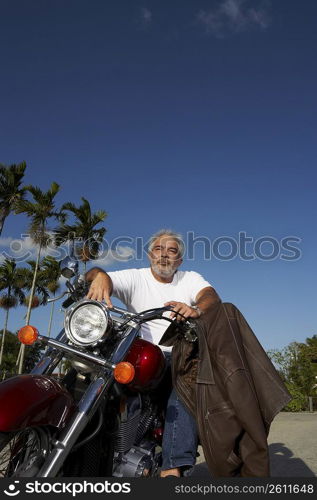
{"x": 164, "y": 256}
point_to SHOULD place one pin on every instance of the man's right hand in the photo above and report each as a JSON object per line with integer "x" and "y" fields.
{"x": 101, "y": 288}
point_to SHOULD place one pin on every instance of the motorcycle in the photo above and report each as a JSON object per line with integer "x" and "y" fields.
{"x": 105, "y": 416}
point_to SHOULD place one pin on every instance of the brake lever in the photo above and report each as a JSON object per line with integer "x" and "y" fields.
{"x": 54, "y": 299}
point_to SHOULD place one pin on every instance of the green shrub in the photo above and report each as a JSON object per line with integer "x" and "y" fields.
{"x": 298, "y": 401}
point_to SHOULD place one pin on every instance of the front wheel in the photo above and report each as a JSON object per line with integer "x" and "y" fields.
{"x": 22, "y": 453}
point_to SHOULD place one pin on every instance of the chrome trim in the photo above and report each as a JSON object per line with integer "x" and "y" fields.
{"x": 54, "y": 299}
{"x": 70, "y": 434}
{"x": 75, "y": 352}
{"x": 89, "y": 402}
{"x": 121, "y": 311}
{"x": 125, "y": 344}
{"x": 47, "y": 364}
{"x": 68, "y": 267}
{"x": 50, "y": 358}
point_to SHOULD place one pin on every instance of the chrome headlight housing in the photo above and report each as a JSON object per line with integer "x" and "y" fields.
{"x": 87, "y": 322}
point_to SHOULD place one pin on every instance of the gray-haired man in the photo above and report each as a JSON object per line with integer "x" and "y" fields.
{"x": 162, "y": 284}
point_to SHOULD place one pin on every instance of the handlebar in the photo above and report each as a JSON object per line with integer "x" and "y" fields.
{"x": 78, "y": 288}
{"x": 53, "y": 299}
{"x": 151, "y": 314}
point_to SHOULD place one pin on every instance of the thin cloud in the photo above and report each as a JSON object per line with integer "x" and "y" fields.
{"x": 234, "y": 16}
{"x": 20, "y": 249}
{"x": 120, "y": 254}
{"x": 146, "y": 16}
{"x": 23, "y": 249}
{"x": 5, "y": 242}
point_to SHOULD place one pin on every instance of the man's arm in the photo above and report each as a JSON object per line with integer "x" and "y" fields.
{"x": 101, "y": 285}
{"x": 204, "y": 300}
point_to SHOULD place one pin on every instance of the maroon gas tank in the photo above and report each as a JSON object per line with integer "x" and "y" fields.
{"x": 149, "y": 363}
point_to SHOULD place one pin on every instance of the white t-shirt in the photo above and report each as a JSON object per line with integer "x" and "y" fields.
{"x": 139, "y": 290}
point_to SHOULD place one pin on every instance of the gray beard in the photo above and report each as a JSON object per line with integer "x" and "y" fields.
{"x": 164, "y": 273}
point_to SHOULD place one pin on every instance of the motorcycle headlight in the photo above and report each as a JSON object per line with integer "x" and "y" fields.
{"x": 86, "y": 322}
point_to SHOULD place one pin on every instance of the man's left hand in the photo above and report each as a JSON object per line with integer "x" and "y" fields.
{"x": 182, "y": 308}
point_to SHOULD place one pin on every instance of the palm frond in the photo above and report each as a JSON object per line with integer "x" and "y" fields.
{"x": 35, "y": 301}
{"x": 12, "y": 279}
{"x": 36, "y": 192}
{"x": 8, "y": 302}
{"x": 64, "y": 233}
{"x": 69, "y": 206}
{"x": 24, "y": 206}
{"x": 82, "y": 232}
{"x": 54, "y": 189}
{"x": 100, "y": 215}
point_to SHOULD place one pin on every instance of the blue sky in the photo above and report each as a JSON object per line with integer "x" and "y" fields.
{"x": 192, "y": 114}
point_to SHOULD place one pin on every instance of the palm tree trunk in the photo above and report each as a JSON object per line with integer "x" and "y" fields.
{"x": 3, "y": 334}
{"x": 4, "y": 212}
{"x": 51, "y": 319}
{"x": 28, "y": 314}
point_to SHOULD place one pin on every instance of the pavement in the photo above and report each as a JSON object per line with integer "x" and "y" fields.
{"x": 292, "y": 445}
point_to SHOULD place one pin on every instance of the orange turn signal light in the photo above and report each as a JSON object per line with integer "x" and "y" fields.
{"x": 124, "y": 372}
{"x": 28, "y": 335}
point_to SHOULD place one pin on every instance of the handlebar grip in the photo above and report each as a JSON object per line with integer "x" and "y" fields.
{"x": 68, "y": 302}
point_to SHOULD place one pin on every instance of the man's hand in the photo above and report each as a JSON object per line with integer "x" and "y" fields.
{"x": 101, "y": 288}
{"x": 205, "y": 299}
{"x": 182, "y": 308}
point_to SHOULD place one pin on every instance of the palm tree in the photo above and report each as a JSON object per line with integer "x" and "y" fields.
{"x": 40, "y": 293}
{"x": 50, "y": 273}
{"x": 11, "y": 280}
{"x": 10, "y": 353}
{"x": 39, "y": 296}
{"x": 10, "y": 189}
{"x": 40, "y": 211}
{"x": 83, "y": 229}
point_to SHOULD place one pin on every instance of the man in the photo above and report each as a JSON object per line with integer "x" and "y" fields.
{"x": 189, "y": 295}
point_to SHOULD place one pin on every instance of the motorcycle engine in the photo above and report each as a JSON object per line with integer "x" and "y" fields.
{"x": 138, "y": 461}
{"x": 135, "y": 453}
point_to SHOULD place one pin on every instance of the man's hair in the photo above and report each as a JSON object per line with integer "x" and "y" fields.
{"x": 174, "y": 236}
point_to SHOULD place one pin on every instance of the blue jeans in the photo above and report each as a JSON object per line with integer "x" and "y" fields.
{"x": 180, "y": 439}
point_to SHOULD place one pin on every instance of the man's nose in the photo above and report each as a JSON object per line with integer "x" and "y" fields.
{"x": 163, "y": 252}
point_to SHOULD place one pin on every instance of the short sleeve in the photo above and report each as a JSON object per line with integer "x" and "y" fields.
{"x": 197, "y": 283}
{"x": 123, "y": 284}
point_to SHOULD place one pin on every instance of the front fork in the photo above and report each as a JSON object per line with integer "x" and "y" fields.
{"x": 51, "y": 358}
{"x": 68, "y": 437}
{"x": 88, "y": 403}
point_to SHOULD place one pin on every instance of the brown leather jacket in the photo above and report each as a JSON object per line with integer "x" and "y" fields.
{"x": 231, "y": 387}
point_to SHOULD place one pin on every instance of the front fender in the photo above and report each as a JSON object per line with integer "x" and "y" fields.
{"x": 30, "y": 400}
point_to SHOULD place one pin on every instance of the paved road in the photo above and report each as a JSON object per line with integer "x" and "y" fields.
{"x": 292, "y": 444}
